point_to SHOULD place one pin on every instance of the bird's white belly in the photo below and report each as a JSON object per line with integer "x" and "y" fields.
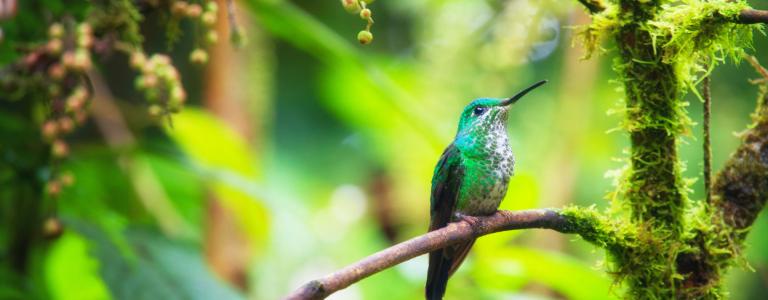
{"x": 484, "y": 190}
{"x": 480, "y": 205}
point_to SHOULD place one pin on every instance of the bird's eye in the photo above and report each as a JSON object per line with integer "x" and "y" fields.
{"x": 479, "y": 110}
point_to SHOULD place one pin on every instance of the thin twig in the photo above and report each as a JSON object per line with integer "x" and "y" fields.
{"x": 451, "y": 234}
{"x": 707, "y": 140}
{"x": 759, "y": 68}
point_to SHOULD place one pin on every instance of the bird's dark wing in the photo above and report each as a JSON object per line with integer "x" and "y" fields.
{"x": 446, "y": 181}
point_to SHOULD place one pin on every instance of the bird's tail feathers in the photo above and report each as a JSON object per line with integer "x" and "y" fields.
{"x": 437, "y": 276}
{"x": 442, "y": 264}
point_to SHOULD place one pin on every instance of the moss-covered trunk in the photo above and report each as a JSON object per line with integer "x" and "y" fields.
{"x": 654, "y": 188}
{"x": 653, "y": 118}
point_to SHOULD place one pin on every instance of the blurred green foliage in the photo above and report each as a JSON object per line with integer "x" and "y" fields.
{"x": 340, "y": 164}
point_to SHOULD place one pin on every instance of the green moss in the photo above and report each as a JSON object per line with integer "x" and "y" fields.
{"x": 598, "y": 229}
{"x": 634, "y": 255}
{"x": 603, "y": 25}
{"x": 655, "y": 115}
{"x": 696, "y": 35}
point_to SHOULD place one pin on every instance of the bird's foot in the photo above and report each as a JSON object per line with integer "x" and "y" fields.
{"x": 472, "y": 220}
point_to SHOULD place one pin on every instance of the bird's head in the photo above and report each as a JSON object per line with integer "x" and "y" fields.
{"x": 486, "y": 114}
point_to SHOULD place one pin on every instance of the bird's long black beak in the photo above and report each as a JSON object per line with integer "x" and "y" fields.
{"x": 522, "y": 93}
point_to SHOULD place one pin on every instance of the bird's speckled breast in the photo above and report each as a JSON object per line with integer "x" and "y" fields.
{"x": 487, "y": 176}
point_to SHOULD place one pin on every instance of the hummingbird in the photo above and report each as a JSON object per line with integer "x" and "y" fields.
{"x": 470, "y": 179}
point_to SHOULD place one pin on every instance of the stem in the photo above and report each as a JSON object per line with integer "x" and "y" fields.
{"x": 707, "y": 141}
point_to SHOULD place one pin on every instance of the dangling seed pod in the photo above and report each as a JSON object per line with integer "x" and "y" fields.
{"x": 365, "y": 37}
{"x": 352, "y": 6}
{"x": 52, "y": 228}
{"x": 359, "y": 6}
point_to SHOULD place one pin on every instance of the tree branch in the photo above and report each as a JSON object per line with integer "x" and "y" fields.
{"x": 752, "y": 16}
{"x": 741, "y": 187}
{"x": 739, "y": 194}
{"x": 707, "y": 140}
{"x": 747, "y": 16}
{"x": 571, "y": 220}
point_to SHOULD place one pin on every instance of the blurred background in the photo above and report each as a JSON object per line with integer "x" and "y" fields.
{"x": 303, "y": 151}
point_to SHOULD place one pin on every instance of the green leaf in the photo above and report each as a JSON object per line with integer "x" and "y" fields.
{"x": 71, "y": 273}
{"x": 213, "y": 145}
{"x": 510, "y": 268}
{"x": 182, "y": 186}
{"x": 153, "y": 267}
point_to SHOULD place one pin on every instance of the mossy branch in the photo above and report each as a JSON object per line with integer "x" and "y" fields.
{"x": 585, "y": 222}
{"x": 746, "y": 16}
{"x": 741, "y": 188}
{"x": 739, "y": 194}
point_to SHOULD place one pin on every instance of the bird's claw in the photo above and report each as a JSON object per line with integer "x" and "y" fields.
{"x": 472, "y": 220}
